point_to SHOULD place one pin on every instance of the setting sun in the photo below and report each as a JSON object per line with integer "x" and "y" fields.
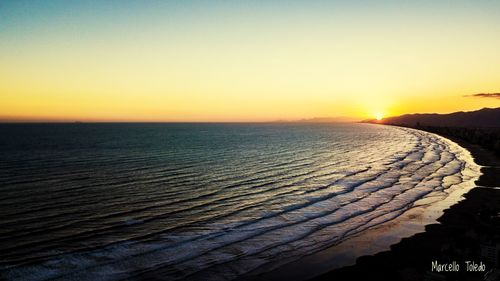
{"x": 174, "y": 62}
{"x": 257, "y": 140}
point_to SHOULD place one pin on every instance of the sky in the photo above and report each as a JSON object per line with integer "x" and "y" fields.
{"x": 214, "y": 61}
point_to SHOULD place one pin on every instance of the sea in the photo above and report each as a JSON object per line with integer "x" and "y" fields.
{"x": 206, "y": 201}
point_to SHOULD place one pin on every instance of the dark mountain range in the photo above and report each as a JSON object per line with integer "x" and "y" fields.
{"x": 484, "y": 118}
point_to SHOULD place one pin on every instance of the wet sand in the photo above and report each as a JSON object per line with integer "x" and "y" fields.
{"x": 458, "y": 236}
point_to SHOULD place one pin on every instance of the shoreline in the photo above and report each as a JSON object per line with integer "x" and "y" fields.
{"x": 462, "y": 230}
{"x": 377, "y": 239}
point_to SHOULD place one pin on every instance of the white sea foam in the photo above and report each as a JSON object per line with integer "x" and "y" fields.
{"x": 271, "y": 225}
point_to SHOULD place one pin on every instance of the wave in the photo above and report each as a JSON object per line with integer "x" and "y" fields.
{"x": 239, "y": 222}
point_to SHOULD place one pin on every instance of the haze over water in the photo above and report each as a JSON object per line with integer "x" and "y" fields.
{"x": 205, "y": 201}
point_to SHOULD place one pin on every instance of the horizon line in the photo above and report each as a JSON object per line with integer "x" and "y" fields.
{"x": 175, "y": 122}
{"x": 336, "y": 119}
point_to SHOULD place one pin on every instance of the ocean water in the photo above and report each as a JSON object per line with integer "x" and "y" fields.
{"x": 205, "y": 201}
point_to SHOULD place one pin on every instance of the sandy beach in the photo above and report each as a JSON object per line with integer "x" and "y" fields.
{"x": 464, "y": 232}
{"x": 249, "y": 140}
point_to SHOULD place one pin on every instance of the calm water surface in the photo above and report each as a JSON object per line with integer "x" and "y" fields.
{"x": 204, "y": 201}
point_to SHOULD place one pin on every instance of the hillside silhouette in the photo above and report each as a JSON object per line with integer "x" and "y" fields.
{"x": 484, "y": 118}
{"x": 481, "y": 127}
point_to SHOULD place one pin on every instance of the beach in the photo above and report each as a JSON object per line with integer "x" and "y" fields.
{"x": 249, "y": 140}
{"x": 464, "y": 233}
{"x": 216, "y": 201}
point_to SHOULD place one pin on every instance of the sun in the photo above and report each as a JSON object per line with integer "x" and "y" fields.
{"x": 379, "y": 116}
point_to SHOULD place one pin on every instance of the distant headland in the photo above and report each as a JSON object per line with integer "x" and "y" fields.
{"x": 483, "y": 118}
{"x": 481, "y": 127}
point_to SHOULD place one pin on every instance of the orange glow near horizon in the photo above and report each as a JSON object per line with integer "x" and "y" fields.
{"x": 237, "y": 63}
